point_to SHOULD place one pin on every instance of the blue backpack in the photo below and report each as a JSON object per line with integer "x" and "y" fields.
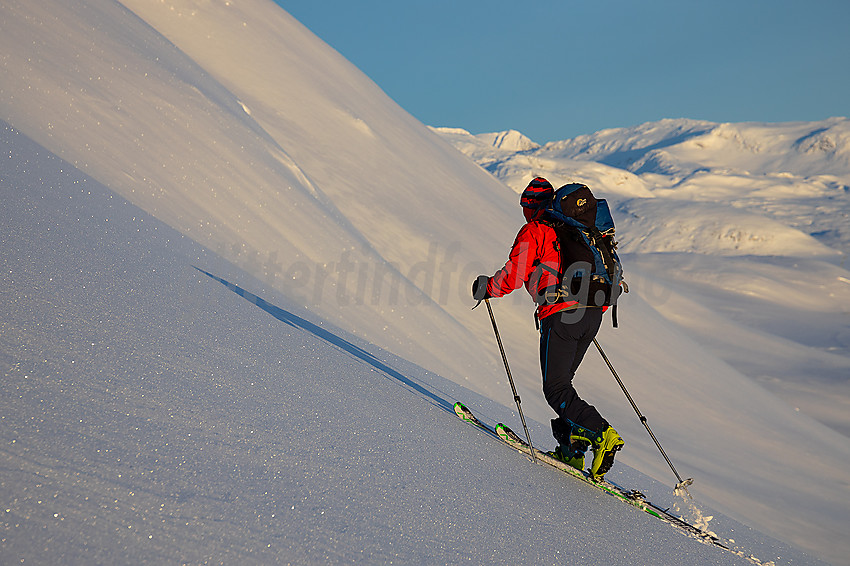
{"x": 580, "y": 219}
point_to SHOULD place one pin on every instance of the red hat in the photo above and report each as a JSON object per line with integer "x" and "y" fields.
{"x": 537, "y": 194}
{"x": 535, "y": 197}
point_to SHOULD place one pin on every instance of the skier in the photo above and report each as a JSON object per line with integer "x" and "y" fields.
{"x": 566, "y": 328}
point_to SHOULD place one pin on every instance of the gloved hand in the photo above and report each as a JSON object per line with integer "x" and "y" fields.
{"x": 479, "y": 288}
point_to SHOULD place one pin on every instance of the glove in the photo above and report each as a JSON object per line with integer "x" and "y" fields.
{"x": 479, "y": 288}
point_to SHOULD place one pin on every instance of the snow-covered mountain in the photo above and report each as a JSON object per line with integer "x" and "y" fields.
{"x": 719, "y": 210}
{"x": 796, "y": 173}
{"x": 140, "y": 384}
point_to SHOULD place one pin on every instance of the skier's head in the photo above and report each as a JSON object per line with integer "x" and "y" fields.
{"x": 535, "y": 197}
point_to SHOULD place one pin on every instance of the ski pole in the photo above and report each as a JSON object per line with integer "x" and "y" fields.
{"x": 683, "y": 484}
{"x": 511, "y": 380}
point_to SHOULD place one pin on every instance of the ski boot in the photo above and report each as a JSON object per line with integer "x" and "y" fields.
{"x": 573, "y": 442}
{"x": 570, "y": 455}
{"x": 604, "y": 451}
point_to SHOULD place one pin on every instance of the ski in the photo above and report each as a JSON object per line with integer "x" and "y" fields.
{"x": 632, "y": 497}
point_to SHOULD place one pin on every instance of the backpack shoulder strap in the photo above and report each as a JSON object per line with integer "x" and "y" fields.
{"x": 605, "y": 246}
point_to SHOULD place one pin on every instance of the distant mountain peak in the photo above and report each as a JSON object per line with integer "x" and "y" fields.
{"x": 511, "y": 140}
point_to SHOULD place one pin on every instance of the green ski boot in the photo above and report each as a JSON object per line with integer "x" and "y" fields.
{"x": 604, "y": 451}
{"x": 573, "y": 442}
{"x": 572, "y": 455}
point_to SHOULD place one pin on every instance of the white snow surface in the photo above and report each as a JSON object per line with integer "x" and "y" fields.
{"x": 153, "y": 415}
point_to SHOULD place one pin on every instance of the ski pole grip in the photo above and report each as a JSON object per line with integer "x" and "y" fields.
{"x": 479, "y": 288}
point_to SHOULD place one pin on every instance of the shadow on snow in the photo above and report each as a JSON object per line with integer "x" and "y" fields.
{"x": 331, "y": 338}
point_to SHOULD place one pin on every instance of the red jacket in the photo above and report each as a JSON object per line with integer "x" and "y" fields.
{"x": 534, "y": 261}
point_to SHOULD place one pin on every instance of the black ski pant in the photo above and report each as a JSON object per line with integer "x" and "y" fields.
{"x": 564, "y": 339}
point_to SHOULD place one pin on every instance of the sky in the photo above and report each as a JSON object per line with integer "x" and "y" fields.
{"x": 555, "y": 69}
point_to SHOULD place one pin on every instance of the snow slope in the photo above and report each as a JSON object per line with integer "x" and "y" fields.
{"x": 153, "y": 416}
{"x": 263, "y": 144}
{"x": 233, "y": 125}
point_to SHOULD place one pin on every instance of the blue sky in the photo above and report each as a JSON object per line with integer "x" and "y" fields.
{"x": 555, "y": 69}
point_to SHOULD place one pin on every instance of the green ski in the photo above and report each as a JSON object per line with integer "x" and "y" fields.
{"x": 632, "y": 497}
